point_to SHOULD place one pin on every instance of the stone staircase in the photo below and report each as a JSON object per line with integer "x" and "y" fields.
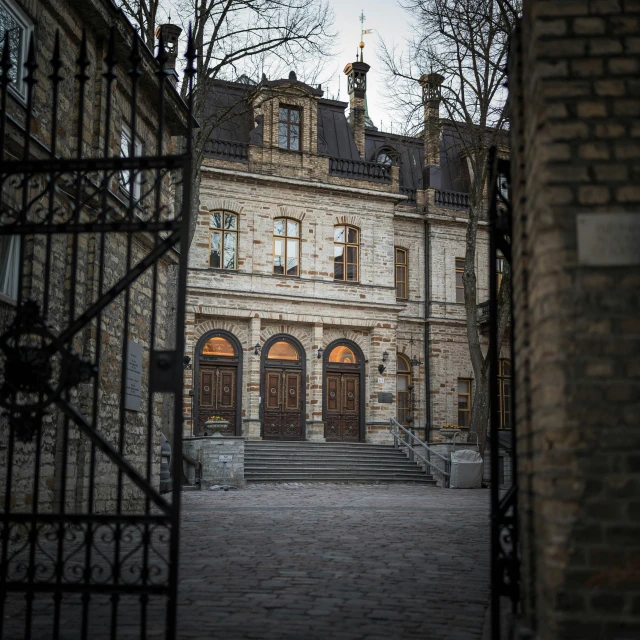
{"x": 270, "y": 461}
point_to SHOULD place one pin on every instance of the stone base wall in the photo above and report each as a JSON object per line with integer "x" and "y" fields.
{"x": 207, "y": 450}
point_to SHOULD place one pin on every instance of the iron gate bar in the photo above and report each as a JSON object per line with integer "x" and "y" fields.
{"x": 505, "y": 564}
{"x": 44, "y": 536}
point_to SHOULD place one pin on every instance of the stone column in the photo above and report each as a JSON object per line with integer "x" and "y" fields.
{"x": 383, "y": 339}
{"x": 315, "y": 423}
{"x": 189, "y": 382}
{"x": 251, "y": 397}
{"x": 431, "y": 93}
{"x": 356, "y": 73}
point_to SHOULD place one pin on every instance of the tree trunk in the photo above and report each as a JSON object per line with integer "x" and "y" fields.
{"x": 480, "y": 409}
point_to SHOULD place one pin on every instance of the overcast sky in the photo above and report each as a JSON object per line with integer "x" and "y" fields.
{"x": 388, "y": 21}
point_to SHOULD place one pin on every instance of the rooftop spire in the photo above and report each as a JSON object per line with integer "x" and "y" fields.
{"x": 363, "y": 32}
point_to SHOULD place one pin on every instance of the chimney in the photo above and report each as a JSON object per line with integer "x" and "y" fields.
{"x": 431, "y": 93}
{"x": 356, "y": 73}
{"x": 170, "y": 34}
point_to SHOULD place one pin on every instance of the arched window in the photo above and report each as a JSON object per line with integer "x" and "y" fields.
{"x": 401, "y": 273}
{"x": 286, "y": 247}
{"x": 283, "y": 350}
{"x": 403, "y": 380}
{"x": 223, "y": 240}
{"x": 504, "y": 391}
{"x": 343, "y": 354}
{"x": 345, "y": 253}
{"x": 387, "y": 156}
{"x": 218, "y": 346}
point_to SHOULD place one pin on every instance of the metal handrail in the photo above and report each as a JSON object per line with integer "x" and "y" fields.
{"x": 394, "y": 425}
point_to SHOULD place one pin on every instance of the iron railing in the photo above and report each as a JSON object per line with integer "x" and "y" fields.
{"x": 455, "y": 199}
{"x": 411, "y": 442}
{"x": 410, "y": 193}
{"x": 227, "y": 150}
{"x": 360, "y": 169}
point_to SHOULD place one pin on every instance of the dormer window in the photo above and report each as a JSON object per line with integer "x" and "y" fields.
{"x": 289, "y": 128}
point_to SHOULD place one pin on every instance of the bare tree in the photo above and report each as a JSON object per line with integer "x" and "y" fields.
{"x": 466, "y": 41}
{"x": 235, "y": 38}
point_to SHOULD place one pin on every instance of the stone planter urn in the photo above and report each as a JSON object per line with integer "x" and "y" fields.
{"x": 216, "y": 427}
{"x": 449, "y": 433}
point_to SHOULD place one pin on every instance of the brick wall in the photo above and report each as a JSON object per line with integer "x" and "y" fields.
{"x": 576, "y": 148}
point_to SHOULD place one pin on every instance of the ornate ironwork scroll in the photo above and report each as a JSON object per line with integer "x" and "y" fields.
{"x": 95, "y": 244}
{"x": 505, "y": 561}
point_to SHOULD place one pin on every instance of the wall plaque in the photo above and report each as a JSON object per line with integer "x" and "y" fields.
{"x": 608, "y": 239}
{"x": 133, "y": 381}
{"x": 225, "y": 458}
{"x": 385, "y": 397}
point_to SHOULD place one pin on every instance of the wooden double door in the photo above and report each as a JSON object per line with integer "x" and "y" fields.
{"x": 342, "y": 406}
{"x": 217, "y": 395}
{"x": 283, "y": 395}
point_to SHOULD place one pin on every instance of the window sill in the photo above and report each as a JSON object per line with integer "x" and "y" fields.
{"x": 349, "y": 282}
{"x": 8, "y": 300}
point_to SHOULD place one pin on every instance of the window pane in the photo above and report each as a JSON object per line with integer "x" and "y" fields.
{"x": 214, "y": 258}
{"x": 338, "y": 234}
{"x": 352, "y": 255}
{"x": 400, "y": 256}
{"x": 282, "y": 136}
{"x": 463, "y": 419}
{"x": 294, "y": 115}
{"x": 463, "y": 402}
{"x": 401, "y": 291}
{"x": 292, "y": 228}
{"x": 218, "y": 346}
{"x": 459, "y": 263}
{"x": 352, "y": 235}
{"x": 352, "y": 272}
{"x": 342, "y": 354}
{"x": 283, "y": 350}
{"x": 278, "y": 247}
{"x": 292, "y": 257}
{"x": 459, "y": 282}
{"x": 230, "y": 221}
{"x": 215, "y": 220}
{"x": 338, "y": 253}
{"x": 16, "y": 35}
{"x": 400, "y": 275}
{"x": 9, "y": 265}
{"x": 278, "y": 227}
{"x": 229, "y": 250}
{"x": 215, "y": 240}
{"x": 401, "y": 384}
{"x": 338, "y": 271}
{"x": 294, "y": 141}
{"x": 402, "y": 364}
{"x": 459, "y": 295}
{"x": 463, "y": 386}
{"x": 284, "y": 113}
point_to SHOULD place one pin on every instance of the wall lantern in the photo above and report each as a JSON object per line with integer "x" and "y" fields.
{"x": 320, "y": 352}
{"x": 186, "y": 363}
{"x": 257, "y": 349}
{"x": 415, "y": 362}
{"x": 385, "y": 356}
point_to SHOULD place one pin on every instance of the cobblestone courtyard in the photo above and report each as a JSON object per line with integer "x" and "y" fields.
{"x": 334, "y": 562}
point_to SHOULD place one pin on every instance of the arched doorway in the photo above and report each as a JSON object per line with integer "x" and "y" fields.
{"x": 343, "y": 392}
{"x": 283, "y": 389}
{"x": 403, "y": 389}
{"x": 219, "y": 380}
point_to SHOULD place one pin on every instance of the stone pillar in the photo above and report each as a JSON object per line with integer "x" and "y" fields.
{"x": 251, "y": 405}
{"x": 383, "y": 339}
{"x": 315, "y": 423}
{"x": 356, "y": 73}
{"x": 207, "y": 450}
{"x": 189, "y": 382}
{"x": 170, "y": 34}
{"x": 431, "y": 93}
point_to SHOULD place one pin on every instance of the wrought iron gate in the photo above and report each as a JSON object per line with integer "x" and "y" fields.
{"x": 91, "y": 348}
{"x": 505, "y": 564}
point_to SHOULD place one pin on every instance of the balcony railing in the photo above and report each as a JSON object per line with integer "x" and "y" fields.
{"x": 360, "y": 170}
{"x": 455, "y": 199}
{"x": 227, "y": 150}
{"x": 410, "y": 193}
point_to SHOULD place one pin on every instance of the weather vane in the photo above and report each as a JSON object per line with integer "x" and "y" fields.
{"x": 363, "y": 33}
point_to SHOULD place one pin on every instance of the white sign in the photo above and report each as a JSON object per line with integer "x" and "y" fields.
{"x": 608, "y": 239}
{"x": 380, "y": 380}
{"x": 225, "y": 458}
{"x": 133, "y": 380}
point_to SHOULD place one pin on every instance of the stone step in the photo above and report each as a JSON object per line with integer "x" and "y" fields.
{"x": 309, "y": 455}
{"x": 281, "y": 473}
{"x": 258, "y": 467}
{"x": 378, "y": 479}
{"x": 301, "y": 444}
{"x": 337, "y": 464}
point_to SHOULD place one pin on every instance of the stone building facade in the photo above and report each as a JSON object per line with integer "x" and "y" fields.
{"x": 80, "y": 269}
{"x": 575, "y": 105}
{"x": 378, "y": 334}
